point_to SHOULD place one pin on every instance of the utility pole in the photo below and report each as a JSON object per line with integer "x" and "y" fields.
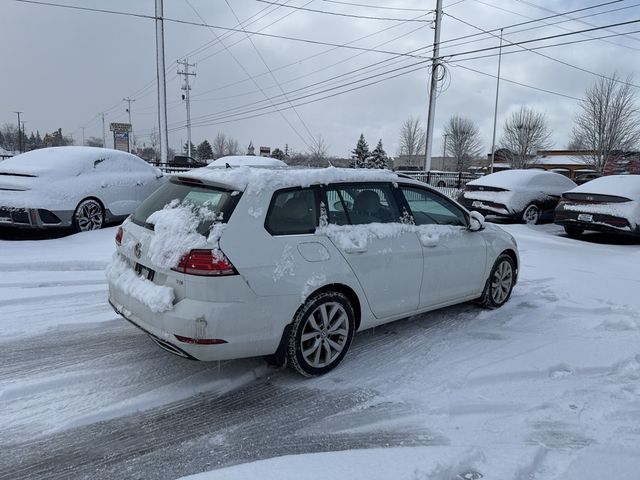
{"x": 162, "y": 83}
{"x": 19, "y": 134}
{"x": 129, "y": 100}
{"x": 82, "y": 136}
{"x": 104, "y": 134}
{"x": 186, "y": 97}
{"x": 435, "y": 71}
{"x": 495, "y": 110}
{"x": 444, "y": 149}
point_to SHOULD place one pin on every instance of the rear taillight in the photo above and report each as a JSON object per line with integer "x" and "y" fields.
{"x": 119, "y": 235}
{"x": 205, "y": 262}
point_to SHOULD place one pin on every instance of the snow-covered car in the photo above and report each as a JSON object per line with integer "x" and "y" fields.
{"x": 606, "y": 204}
{"x": 522, "y": 195}
{"x": 246, "y": 160}
{"x": 79, "y": 187}
{"x": 223, "y": 263}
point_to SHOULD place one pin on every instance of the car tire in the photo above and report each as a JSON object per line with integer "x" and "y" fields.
{"x": 321, "y": 333}
{"x": 89, "y": 215}
{"x": 531, "y": 214}
{"x": 500, "y": 283}
{"x": 573, "y": 231}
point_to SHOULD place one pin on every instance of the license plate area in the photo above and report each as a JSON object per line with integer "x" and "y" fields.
{"x": 477, "y": 203}
{"x": 585, "y": 217}
{"x": 145, "y": 272}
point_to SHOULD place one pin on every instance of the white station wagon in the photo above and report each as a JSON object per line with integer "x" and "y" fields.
{"x": 223, "y": 263}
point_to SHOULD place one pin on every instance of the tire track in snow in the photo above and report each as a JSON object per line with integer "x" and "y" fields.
{"x": 206, "y": 431}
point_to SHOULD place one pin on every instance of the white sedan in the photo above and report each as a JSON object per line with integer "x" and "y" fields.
{"x": 79, "y": 187}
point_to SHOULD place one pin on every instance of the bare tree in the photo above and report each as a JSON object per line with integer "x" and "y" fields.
{"x": 219, "y": 145}
{"x": 232, "y": 147}
{"x": 463, "y": 141}
{"x": 413, "y": 137}
{"x": 608, "y": 119}
{"x": 318, "y": 151}
{"x": 223, "y": 145}
{"x": 524, "y": 133}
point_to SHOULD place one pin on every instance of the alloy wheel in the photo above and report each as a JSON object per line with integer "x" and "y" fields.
{"x": 501, "y": 282}
{"x": 89, "y": 216}
{"x": 324, "y": 335}
{"x": 531, "y": 215}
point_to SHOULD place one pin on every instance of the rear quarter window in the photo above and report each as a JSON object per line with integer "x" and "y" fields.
{"x": 293, "y": 212}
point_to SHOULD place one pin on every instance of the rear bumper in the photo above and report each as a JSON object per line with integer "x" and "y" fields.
{"x": 249, "y": 329}
{"x": 34, "y": 218}
{"x": 487, "y": 208}
{"x": 599, "y": 222}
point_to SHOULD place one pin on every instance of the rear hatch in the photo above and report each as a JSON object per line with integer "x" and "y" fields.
{"x": 189, "y": 216}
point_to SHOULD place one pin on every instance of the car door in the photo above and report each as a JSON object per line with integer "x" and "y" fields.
{"x": 454, "y": 256}
{"x": 364, "y": 223}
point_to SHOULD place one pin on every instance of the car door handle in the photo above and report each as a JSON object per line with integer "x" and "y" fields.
{"x": 355, "y": 249}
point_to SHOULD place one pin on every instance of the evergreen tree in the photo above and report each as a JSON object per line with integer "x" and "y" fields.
{"x": 204, "y": 151}
{"x": 379, "y": 157}
{"x": 1, "y": 140}
{"x": 278, "y": 154}
{"x": 360, "y": 154}
{"x": 39, "y": 142}
{"x": 186, "y": 148}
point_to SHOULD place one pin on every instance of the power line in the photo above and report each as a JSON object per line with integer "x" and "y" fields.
{"x": 339, "y": 14}
{"x": 569, "y": 19}
{"x": 379, "y": 7}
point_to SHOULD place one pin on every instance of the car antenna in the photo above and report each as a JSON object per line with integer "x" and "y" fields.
{"x": 227, "y": 165}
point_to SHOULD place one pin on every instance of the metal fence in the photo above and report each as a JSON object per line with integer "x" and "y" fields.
{"x": 168, "y": 168}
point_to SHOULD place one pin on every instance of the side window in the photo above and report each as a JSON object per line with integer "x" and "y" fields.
{"x": 292, "y": 212}
{"x": 430, "y": 208}
{"x": 361, "y": 203}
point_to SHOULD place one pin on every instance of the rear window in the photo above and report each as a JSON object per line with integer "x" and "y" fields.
{"x": 217, "y": 202}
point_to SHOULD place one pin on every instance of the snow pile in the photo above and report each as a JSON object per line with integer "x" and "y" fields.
{"x": 246, "y": 160}
{"x": 176, "y": 234}
{"x": 157, "y": 297}
{"x": 618, "y": 185}
{"x": 358, "y": 237}
{"x": 255, "y": 180}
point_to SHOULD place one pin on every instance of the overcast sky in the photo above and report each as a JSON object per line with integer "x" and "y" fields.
{"x": 63, "y": 67}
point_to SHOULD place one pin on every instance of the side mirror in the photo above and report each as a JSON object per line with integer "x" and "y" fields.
{"x": 476, "y": 221}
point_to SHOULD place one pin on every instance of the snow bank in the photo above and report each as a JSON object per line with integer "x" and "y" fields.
{"x": 157, "y": 297}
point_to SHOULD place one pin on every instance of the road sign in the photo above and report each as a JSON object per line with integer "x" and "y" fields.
{"x": 120, "y": 127}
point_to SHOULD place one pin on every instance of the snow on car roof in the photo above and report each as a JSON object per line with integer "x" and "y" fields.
{"x": 254, "y": 180}
{"x": 619, "y": 185}
{"x": 64, "y": 160}
{"x": 511, "y": 178}
{"x": 246, "y": 160}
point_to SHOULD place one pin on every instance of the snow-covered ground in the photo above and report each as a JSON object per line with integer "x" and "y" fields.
{"x": 547, "y": 387}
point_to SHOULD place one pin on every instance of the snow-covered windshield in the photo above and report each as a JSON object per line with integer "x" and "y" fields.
{"x": 211, "y": 204}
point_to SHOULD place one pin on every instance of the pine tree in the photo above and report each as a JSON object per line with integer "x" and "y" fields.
{"x": 277, "y": 153}
{"x": 204, "y": 151}
{"x": 379, "y": 157}
{"x": 1, "y": 140}
{"x": 186, "y": 148}
{"x": 360, "y": 154}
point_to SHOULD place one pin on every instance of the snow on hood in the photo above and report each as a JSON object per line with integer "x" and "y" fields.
{"x": 510, "y": 179}
{"x": 618, "y": 185}
{"x": 64, "y": 161}
{"x": 255, "y": 180}
{"x": 246, "y": 160}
